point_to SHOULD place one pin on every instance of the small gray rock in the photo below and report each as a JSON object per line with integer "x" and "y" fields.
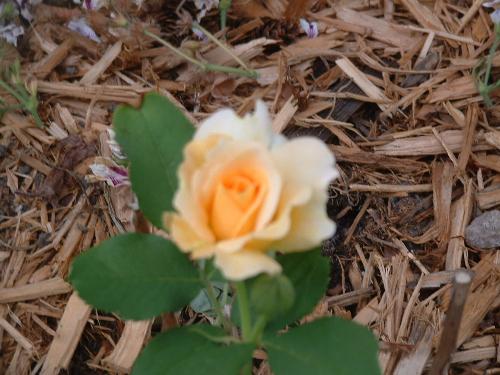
{"x": 484, "y": 231}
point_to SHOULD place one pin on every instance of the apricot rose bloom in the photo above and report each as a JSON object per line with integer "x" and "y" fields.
{"x": 245, "y": 191}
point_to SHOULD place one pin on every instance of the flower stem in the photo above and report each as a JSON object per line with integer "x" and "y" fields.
{"x": 221, "y": 318}
{"x": 246, "y": 323}
{"x": 257, "y": 329}
{"x": 202, "y": 65}
{"x": 225, "y": 292}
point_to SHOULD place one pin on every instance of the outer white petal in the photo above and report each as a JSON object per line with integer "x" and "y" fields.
{"x": 307, "y": 167}
{"x": 245, "y": 264}
{"x": 187, "y": 198}
{"x": 291, "y": 197}
{"x": 310, "y": 225}
{"x": 253, "y": 127}
{"x": 185, "y": 237}
{"x": 305, "y": 161}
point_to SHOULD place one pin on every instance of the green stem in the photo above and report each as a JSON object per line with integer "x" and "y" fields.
{"x": 225, "y": 292}
{"x": 223, "y": 8}
{"x": 246, "y": 321}
{"x": 202, "y": 65}
{"x": 231, "y": 70}
{"x": 24, "y": 101}
{"x": 258, "y": 328}
{"x": 221, "y": 45}
{"x": 491, "y": 54}
{"x": 11, "y": 91}
{"x": 219, "y": 311}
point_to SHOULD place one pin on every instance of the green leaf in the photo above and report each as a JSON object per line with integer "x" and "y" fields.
{"x": 309, "y": 273}
{"x": 192, "y": 350}
{"x": 324, "y": 347}
{"x": 271, "y": 296}
{"x": 135, "y": 275}
{"x": 153, "y": 138}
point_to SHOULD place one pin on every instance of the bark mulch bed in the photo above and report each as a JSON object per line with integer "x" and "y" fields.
{"x": 388, "y": 85}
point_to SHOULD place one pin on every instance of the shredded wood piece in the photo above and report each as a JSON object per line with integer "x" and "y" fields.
{"x": 32, "y": 291}
{"x": 67, "y": 336}
{"x": 127, "y": 349}
{"x": 388, "y": 85}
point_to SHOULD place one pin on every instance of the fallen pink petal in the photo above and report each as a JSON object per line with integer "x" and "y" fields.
{"x": 81, "y": 26}
{"x": 310, "y": 28}
{"x": 113, "y": 175}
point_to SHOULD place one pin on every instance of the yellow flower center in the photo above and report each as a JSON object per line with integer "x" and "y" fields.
{"x": 237, "y": 199}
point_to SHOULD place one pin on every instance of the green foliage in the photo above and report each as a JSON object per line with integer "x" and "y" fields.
{"x": 309, "y": 274}
{"x": 272, "y": 296}
{"x": 193, "y": 350}
{"x": 8, "y": 13}
{"x": 153, "y": 138}
{"x": 135, "y": 275}
{"x": 11, "y": 82}
{"x": 482, "y": 71}
{"x": 324, "y": 347}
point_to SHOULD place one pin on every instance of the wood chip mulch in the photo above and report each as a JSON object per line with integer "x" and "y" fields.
{"x": 387, "y": 84}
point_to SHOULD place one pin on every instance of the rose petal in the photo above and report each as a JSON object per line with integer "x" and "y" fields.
{"x": 291, "y": 197}
{"x": 245, "y": 264}
{"x": 306, "y": 225}
{"x": 277, "y": 229}
{"x": 204, "y": 161}
{"x": 306, "y": 176}
{"x": 310, "y": 225}
{"x": 252, "y": 127}
{"x": 186, "y": 238}
{"x": 187, "y": 199}
{"x": 305, "y": 161}
{"x": 232, "y": 155}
